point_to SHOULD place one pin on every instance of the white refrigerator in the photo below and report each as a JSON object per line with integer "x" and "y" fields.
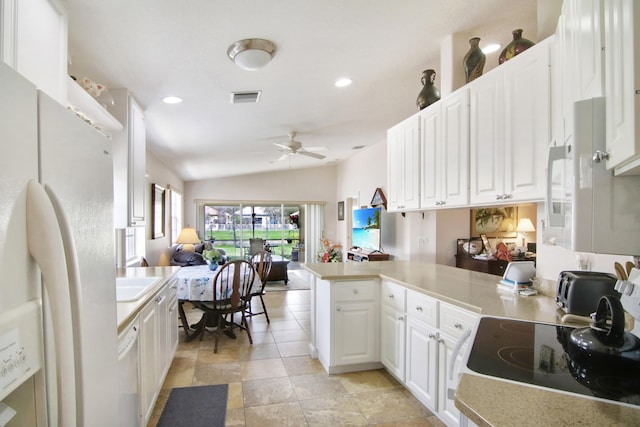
{"x": 58, "y": 331}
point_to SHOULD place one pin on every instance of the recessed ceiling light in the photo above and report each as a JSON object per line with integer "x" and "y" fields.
{"x": 172, "y": 100}
{"x": 342, "y": 82}
{"x": 490, "y": 48}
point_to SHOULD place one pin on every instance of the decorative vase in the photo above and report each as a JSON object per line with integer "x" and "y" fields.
{"x": 474, "y": 60}
{"x": 516, "y": 47}
{"x": 429, "y": 93}
{"x": 213, "y": 266}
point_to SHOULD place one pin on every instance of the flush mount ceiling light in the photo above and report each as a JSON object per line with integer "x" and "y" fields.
{"x": 343, "y": 82}
{"x": 251, "y": 54}
{"x": 172, "y": 100}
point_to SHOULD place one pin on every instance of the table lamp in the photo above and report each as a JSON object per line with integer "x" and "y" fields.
{"x": 525, "y": 226}
{"x": 188, "y": 238}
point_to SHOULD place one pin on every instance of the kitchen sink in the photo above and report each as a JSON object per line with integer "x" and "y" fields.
{"x": 133, "y": 288}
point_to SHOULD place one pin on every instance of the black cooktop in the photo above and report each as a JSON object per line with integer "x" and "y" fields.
{"x": 537, "y": 353}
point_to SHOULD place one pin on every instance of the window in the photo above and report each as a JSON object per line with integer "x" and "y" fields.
{"x": 231, "y": 226}
{"x": 176, "y": 214}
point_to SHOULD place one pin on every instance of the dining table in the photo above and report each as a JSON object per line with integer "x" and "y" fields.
{"x": 196, "y": 284}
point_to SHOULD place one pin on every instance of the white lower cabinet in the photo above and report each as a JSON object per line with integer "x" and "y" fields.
{"x": 392, "y": 328}
{"x": 158, "y": 341}
{"x": 347, "y": 319}
{"x": 422, "y": 362}
{"x": 418, "y": 335}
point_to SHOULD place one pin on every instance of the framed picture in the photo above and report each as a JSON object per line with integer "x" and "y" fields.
{"x": 494, "y": 222}
{"x": 340, "y": 211}
{"x": 157, "y": 214}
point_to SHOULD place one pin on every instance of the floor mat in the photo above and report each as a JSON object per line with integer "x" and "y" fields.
{"x": 196, "y": 406}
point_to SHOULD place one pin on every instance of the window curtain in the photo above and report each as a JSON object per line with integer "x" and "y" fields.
{"x": 313, "y": 230}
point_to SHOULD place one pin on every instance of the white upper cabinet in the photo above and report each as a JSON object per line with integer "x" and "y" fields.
{"x": 622, "y": 39}
{"x": 33, "y": 41}
{"x": 510, "y": 130}
{"x": 444, "y": 168}
{"x": 403, "y": 165}
{"x": 129, "y": 161}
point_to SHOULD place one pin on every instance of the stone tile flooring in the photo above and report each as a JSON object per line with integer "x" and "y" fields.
{"x": 275, "y": 383}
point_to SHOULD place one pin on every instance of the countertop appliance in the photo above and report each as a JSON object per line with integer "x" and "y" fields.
{"x": 588, "y": 208}
{"x": 578, "y": 292}
{"x": 58, "y": 326}
{"x": 538, "y": 354}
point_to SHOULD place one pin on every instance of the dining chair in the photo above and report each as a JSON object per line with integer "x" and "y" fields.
{"x": 256, "y": 245}
{"x": 262, "y": 264}
{"x": 232, "y": 289}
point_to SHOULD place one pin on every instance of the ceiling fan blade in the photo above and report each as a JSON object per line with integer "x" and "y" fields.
{"x": 283, "y": 157}
{"x": 310, "y": 154}
{"x": 284, "y": 147}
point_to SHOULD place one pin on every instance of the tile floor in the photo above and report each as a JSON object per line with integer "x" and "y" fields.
{"x": 275, "y": 383}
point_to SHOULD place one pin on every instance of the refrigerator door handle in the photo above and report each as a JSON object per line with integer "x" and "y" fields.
{"x": 46, "y": 246}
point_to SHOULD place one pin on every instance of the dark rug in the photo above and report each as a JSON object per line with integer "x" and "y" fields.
{"x": 196, "y": 407}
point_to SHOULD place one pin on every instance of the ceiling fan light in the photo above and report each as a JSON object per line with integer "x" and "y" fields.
{"x": 251, "y": 54}
{"x": 343, "y": 82}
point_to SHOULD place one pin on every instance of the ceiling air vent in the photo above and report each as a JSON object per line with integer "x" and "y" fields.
{"x": 245, "y": 97}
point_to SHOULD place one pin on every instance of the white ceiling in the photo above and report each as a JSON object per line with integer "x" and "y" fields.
{"x": 157, "y": 48}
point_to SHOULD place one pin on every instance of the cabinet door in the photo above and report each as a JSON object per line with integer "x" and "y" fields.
{"x": 446, "y": 405}
{"x": 454, "y": 150}
{"x": 430, "y": 122}
{"x": 392, "y": 341}
{"x": 588, "y": 25}
{"x": 355, "y": 334}
{"x": 162, "y": 347}
{"x": 172, "y": 323}
{"x": 622, "y": 39}
{"x": 137, "y": 161}
{"x": 403, "y": 162}
{"x": 526, "y": 121}
{"x": 421, "y": 367}
{"x": 148, "y": 359}
{"x": 486, "y": 152}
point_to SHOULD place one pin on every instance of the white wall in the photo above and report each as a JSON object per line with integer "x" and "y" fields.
{"x": 158, "y": 173}
{"x": 293, "y": 185}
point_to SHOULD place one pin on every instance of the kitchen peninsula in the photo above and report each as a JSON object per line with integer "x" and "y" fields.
{"x": 436, "y": 291}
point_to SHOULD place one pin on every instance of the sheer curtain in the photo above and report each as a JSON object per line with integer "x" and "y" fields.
{"x": 314, "y": 226}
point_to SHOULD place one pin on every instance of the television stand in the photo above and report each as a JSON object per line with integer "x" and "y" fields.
{"x": 365, "y": 255}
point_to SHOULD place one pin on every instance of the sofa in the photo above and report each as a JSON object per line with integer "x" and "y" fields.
{"x": 175, "y": 255}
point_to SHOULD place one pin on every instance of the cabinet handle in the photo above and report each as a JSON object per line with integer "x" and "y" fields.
{"x": 418, "y": 308}
{"x": 390, "y": 295}
{"x": 160, "y": 299}
{"x": 355, "y": 291}
{"x": 338, "y": 308}
{"x": 432, "y": 335}
{"x": 400, "y": 318}
{"x": 457, "y": 325}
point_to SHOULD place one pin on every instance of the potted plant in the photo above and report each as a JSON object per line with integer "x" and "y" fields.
{"x": 213, "y": 257}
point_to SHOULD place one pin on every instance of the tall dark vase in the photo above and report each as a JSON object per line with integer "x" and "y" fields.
{"x": 474, "y": 60}
{"x": 429, "y": 93}
{"x": 516, "y": 47}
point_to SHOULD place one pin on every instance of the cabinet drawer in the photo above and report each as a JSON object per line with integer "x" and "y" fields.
{"x": 355, "y": 291}
{"x": 394, "y": 295}
{"x": 455, "y": 321}
{"x": 422, "y": 307}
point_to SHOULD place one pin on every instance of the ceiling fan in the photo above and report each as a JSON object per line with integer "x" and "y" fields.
{"x": 292, "y": 147}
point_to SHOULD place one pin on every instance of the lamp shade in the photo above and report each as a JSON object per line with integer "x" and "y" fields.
{"x": 188, "y": 236}
{"x": 525, "y": 226}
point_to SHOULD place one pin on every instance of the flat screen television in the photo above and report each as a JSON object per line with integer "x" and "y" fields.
{"x": 365, "y": 233}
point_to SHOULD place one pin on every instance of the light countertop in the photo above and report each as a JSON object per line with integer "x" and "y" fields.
{"x": 487, "y": 401}
{"x": 128, "y": 309}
